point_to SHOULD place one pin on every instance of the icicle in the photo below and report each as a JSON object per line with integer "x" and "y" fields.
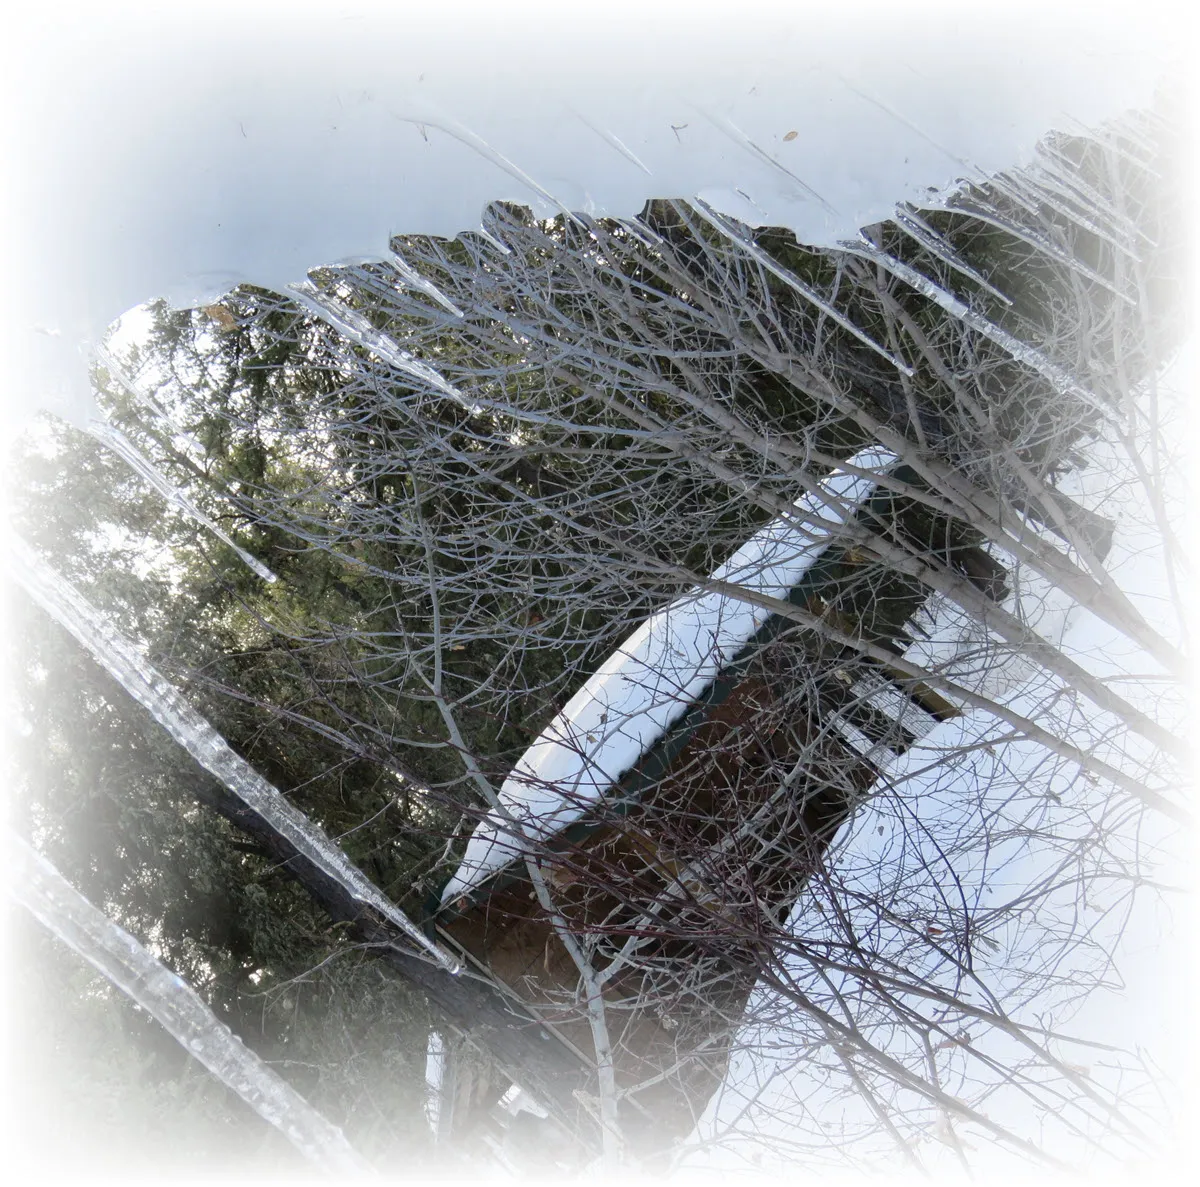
{"x": 1077, "y": 192}
{"x": 998, "y": 181}
{"x": 138, "y": 392}
{"x": 793, "y": 281}
{"x": 1062, "y": 172}
{"x": 125, "y": 449}
{"x": 1071, "y": 206}
{"x": 392, "y": 292}
{"x": 911, "y": 223}
{"x": 645, "y": 235}
{"x": 121, "y": 658}
{"x": 1042, "y": 193}
{"x": 1022, "y": 352}
{"x": 488, "y": 237}
{"x": 55, "y": 903}
{"x": 1141, "y": 137}
{"x": 1113, "y": 143}
{"x": 976, "y": 207}
{"x": 358, "y": 329}
{"x": 414, "y": 279}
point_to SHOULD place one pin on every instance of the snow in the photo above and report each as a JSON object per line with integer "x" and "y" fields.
{"x": 152, "y": 157}
{"x": 770, "y": 1094}
{"x": 156, "y": 154}
{"x": 648, "y": 683}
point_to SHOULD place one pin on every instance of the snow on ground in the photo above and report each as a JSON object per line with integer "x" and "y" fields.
{"x": 1039, "y": 811}
{"x": 647, "y": 684}
{"x": 165, "y": 151}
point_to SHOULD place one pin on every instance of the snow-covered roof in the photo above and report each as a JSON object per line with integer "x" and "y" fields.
{"x": 649, "y": 682}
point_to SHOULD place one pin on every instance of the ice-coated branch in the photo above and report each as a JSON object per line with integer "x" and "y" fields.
{"x": 54, "y": 902}
{"x": 975, "y": 206}
{"x": 137, "y": 390}
{"x": 120, "y": 657}
{"x": 413, "y": 279}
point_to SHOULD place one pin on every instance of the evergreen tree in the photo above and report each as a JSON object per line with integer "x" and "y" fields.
{"x": 472, "y": 487}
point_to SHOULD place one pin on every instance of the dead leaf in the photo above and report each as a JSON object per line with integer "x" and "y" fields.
{"x": 958, "y": 1040}
{"x": 224, "y": 319}
{"x": 790, "y": 135}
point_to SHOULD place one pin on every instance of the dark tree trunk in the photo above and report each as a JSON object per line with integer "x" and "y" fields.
{"x": 520, "y": 1046}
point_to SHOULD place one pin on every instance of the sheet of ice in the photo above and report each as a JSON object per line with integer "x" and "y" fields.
{"x": 154, "y": 154}
{"x": 40, "y": 888}
{"x": 650, "y": 680}
{"x": 197, "y": 736}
